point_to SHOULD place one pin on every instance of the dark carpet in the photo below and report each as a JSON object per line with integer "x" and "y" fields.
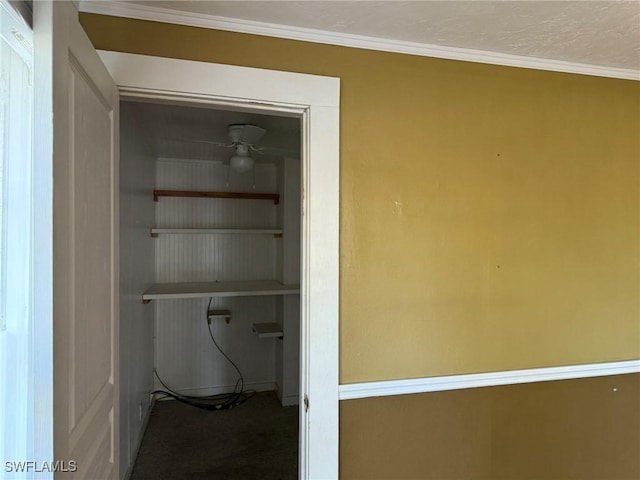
{"x": 257, "y": 440}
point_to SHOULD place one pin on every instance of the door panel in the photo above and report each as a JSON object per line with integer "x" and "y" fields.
{"x": 91, "y": 345}
{"x": 85, "y": 252}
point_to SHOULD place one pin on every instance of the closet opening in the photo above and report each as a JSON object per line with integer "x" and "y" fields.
{"x": 210, "y": 218}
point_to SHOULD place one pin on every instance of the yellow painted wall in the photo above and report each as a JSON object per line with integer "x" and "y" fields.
{"x": 489, "y": 216}
{"x": 586, "y": 429}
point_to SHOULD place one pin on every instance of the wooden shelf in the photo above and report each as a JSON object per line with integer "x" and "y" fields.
{"x": 215, "y": 231}
{"x": 268, "y": 330}
{"x": 160, "y": 291}
{"x": 275, "y": 197}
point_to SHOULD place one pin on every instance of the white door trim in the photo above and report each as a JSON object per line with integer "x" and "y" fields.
{"x": 316, "y": 99}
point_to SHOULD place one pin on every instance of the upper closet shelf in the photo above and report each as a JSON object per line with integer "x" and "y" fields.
{"x": 217, "y": 289}
{"x": 230, "y": 231}
{"x": 275, "y": 197}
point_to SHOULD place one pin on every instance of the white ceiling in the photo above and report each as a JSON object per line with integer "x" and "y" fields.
{"x": 602, "y": 33}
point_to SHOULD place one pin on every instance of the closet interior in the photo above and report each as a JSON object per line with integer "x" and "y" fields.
{"x": 210, "y": 256}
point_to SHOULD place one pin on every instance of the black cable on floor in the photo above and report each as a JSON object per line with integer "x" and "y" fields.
{"x": 220, "y": 401}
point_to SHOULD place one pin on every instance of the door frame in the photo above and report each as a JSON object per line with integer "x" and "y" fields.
{"x": 316, "y": 100}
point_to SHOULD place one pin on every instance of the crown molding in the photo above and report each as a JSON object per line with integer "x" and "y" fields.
{"x": 165, "y": 15}
{"x": 492, "y": 379}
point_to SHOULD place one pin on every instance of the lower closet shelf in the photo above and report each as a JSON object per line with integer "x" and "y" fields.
{"x": 268, "y": 330}
{"x": 161, "y": 291}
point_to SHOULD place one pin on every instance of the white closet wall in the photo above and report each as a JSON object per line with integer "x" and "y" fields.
{"x": 185, "y": 356}
{"x": 137, "y": 216}
{"x": 288, "y": 272}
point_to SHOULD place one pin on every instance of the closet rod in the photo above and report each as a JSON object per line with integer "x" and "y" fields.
{"x": 197, "y": 194}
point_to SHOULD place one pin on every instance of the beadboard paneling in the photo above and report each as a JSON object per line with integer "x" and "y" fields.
{"x": 185, "y": 356}
{"x": 202, "y": 258}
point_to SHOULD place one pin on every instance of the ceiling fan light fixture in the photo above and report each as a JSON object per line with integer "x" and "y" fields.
{"x": 241, "y": 163}
{"x": 245, "y": 133}
{"x": 241, "y": 160}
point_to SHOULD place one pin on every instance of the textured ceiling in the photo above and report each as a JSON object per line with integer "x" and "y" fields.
{"x": 604, "y": 33}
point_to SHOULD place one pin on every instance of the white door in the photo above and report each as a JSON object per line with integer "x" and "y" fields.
{"x": 85, "y": 255}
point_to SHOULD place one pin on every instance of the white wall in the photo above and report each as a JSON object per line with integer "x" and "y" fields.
{"x": 136, "y": 274}
{"x": 185, "y": 356}
{"x": 288, "y": 271}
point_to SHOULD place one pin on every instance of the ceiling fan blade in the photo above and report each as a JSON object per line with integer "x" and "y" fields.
{"x": 280, "y": 152}
{"x": 194, "y": 140}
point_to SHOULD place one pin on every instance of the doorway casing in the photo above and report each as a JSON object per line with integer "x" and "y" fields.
{"x": 316, "y": 100}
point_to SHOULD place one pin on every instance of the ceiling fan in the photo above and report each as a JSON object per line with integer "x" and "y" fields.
{"x": 242, "y": 138}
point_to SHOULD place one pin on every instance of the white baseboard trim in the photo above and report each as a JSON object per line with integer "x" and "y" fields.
{"x": 166, "y": 15}
{"x": 287, "y": 400}
{"x": 218, "y": 389}
{"x": 457, "y": 382}
{"x": 290, "y": 400}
